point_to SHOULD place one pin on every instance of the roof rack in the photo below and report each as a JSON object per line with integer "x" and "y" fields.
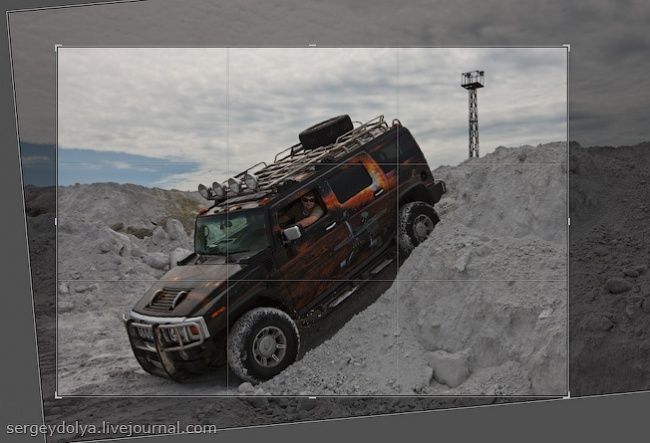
{"x": 296, "y": 160}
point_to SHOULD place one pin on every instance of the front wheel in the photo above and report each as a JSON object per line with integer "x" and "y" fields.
{"x": 262, "y": 343}
{"x": 416, "y": 221}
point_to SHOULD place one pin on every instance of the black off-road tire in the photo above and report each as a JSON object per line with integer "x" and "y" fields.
{"x": 246, "y": 344}
{"x": 416, "y": 221}
{"x": 326, "y": 132}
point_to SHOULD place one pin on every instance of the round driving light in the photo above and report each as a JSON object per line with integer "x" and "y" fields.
{"x": 217, "y": 190}
{"x": 234, "y": 185}
{"x": 251, "y": 181}
{"x": 203, "y": 190}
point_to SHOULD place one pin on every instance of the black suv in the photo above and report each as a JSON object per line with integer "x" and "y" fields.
{"x": 282, "y": 242}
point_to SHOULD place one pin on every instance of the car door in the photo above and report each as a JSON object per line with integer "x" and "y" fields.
{"x": 311, "y": 265}
{"x": 367, "y": 201}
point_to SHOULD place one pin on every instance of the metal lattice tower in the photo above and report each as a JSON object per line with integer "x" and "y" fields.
{"x": 472, "y": 81}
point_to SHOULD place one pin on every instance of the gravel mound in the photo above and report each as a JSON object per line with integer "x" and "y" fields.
{"x": 109, "y": 232}
{"x": 610, "y": 285}
{"x": 113, "y": 242}
{"x": 479, "y": 308}
{"x": 511, "y": 192}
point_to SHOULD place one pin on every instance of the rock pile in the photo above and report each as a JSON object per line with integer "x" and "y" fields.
{"x": 610, "y": 285}
{"x": 113, "y": 242}
{"x": 479, "y": 308}
{"x": 101, "y": 237}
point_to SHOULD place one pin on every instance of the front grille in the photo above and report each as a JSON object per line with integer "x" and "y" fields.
{"x": 180, "y": 334}
{"x": 166, "y": 299}
{"x": 156, "y": 334}
{"x": 175, "y": 336}
{"x": 144, "y": 331}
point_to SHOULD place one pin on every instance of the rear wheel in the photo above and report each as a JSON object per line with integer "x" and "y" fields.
{"x": 262, "y": 343}
{"x": 417, "y": 220}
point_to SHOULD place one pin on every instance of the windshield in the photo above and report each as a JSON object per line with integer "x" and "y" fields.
{"x": 231, "y": 233}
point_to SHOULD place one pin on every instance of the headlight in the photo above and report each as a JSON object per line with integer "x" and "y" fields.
{"x": 217, "y": 190}
{"x": 251, "y": 182}
{"x": 204, "y": 191}
{"x": 234, "y": 185}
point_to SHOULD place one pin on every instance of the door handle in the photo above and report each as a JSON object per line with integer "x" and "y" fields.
{"x": 328, "y": 228}
{"x": 379, "y": 191}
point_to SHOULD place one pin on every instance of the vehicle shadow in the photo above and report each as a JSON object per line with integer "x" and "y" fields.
{"x": 325, "y": 328}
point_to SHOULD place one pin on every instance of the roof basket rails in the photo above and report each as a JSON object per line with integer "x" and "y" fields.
{"x": 295, "y": 160}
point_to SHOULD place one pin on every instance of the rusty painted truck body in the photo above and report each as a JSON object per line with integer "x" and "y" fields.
{"x": 256, "y": 276}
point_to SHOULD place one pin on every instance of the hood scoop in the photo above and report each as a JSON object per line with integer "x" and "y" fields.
{"x": 166, "y": 299}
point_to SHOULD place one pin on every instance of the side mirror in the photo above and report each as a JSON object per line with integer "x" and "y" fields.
{"x": 292, "y": 233}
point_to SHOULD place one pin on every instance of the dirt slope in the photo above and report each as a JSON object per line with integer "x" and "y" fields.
{"x": 479, "y": 308}
{"x": 610, "y": 282}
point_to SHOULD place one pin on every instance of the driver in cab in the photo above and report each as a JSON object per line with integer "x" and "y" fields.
{"x": 303, "y": 214}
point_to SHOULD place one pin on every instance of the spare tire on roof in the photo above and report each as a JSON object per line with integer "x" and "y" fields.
{"x": 326, "y": 132}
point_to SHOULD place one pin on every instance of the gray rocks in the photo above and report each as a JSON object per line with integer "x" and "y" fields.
{"x": 63, "y": 288}
{"x": 546, "y": 313}
{"x": 137, "y": 251}
{"x": 618, "y": 285}
{"x": 157, "y": 260}
{"x": 307, "y": 404}
{"x": 80, "y": 289}
{"x": 159, "y": 236}
{"x": 257, "y": 402}
{"x": 633, "y": 307}
{"x": 175, "y": 230}
{"x": 246, "y": 388}
{"x": 449, "y": 369}
{"x": 645, "y": 304}
{"x": 597, "y": 322}
{"x": 631, "y": 273}
{"x": 111, "y": 241}
{"x": 65, "y": 306}
{"x": 462, "y": 261}
{"x": 139, "y": 232}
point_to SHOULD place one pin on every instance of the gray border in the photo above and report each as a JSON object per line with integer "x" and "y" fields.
{"x": 397, "y": 281}
{"x": 598, "y": 418}
{"x": 543, "y": 421}
{"x": 21, "y": 381}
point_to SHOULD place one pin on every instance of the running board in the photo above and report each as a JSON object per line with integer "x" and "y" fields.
{"x": 377, "y": 269}
{"x": 343, "y": 296}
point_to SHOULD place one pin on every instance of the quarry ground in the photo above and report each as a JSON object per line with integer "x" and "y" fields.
{"x": 609, "y": 301}
{"x": 478, "y": 309}
{"x": 609, "y": 258}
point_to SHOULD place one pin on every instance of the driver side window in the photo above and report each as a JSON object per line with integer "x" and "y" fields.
{"x": 303, "y": 211}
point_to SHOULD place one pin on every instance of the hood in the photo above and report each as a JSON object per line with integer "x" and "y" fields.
{"x": 201, "y": 283}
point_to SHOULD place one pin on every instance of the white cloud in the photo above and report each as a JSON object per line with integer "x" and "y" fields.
{"x": 35, "y": 159}
{"x": 228, "y": 109}
{"x": 167, "y": 103}
{"x": 118, "y": 164}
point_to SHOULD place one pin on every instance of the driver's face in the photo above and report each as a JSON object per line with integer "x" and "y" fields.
{"x": 308, "y": 201}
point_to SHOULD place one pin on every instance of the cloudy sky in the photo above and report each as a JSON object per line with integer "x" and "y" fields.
{"x": 179, "y": 116}
{"x": 608, "y": 61}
